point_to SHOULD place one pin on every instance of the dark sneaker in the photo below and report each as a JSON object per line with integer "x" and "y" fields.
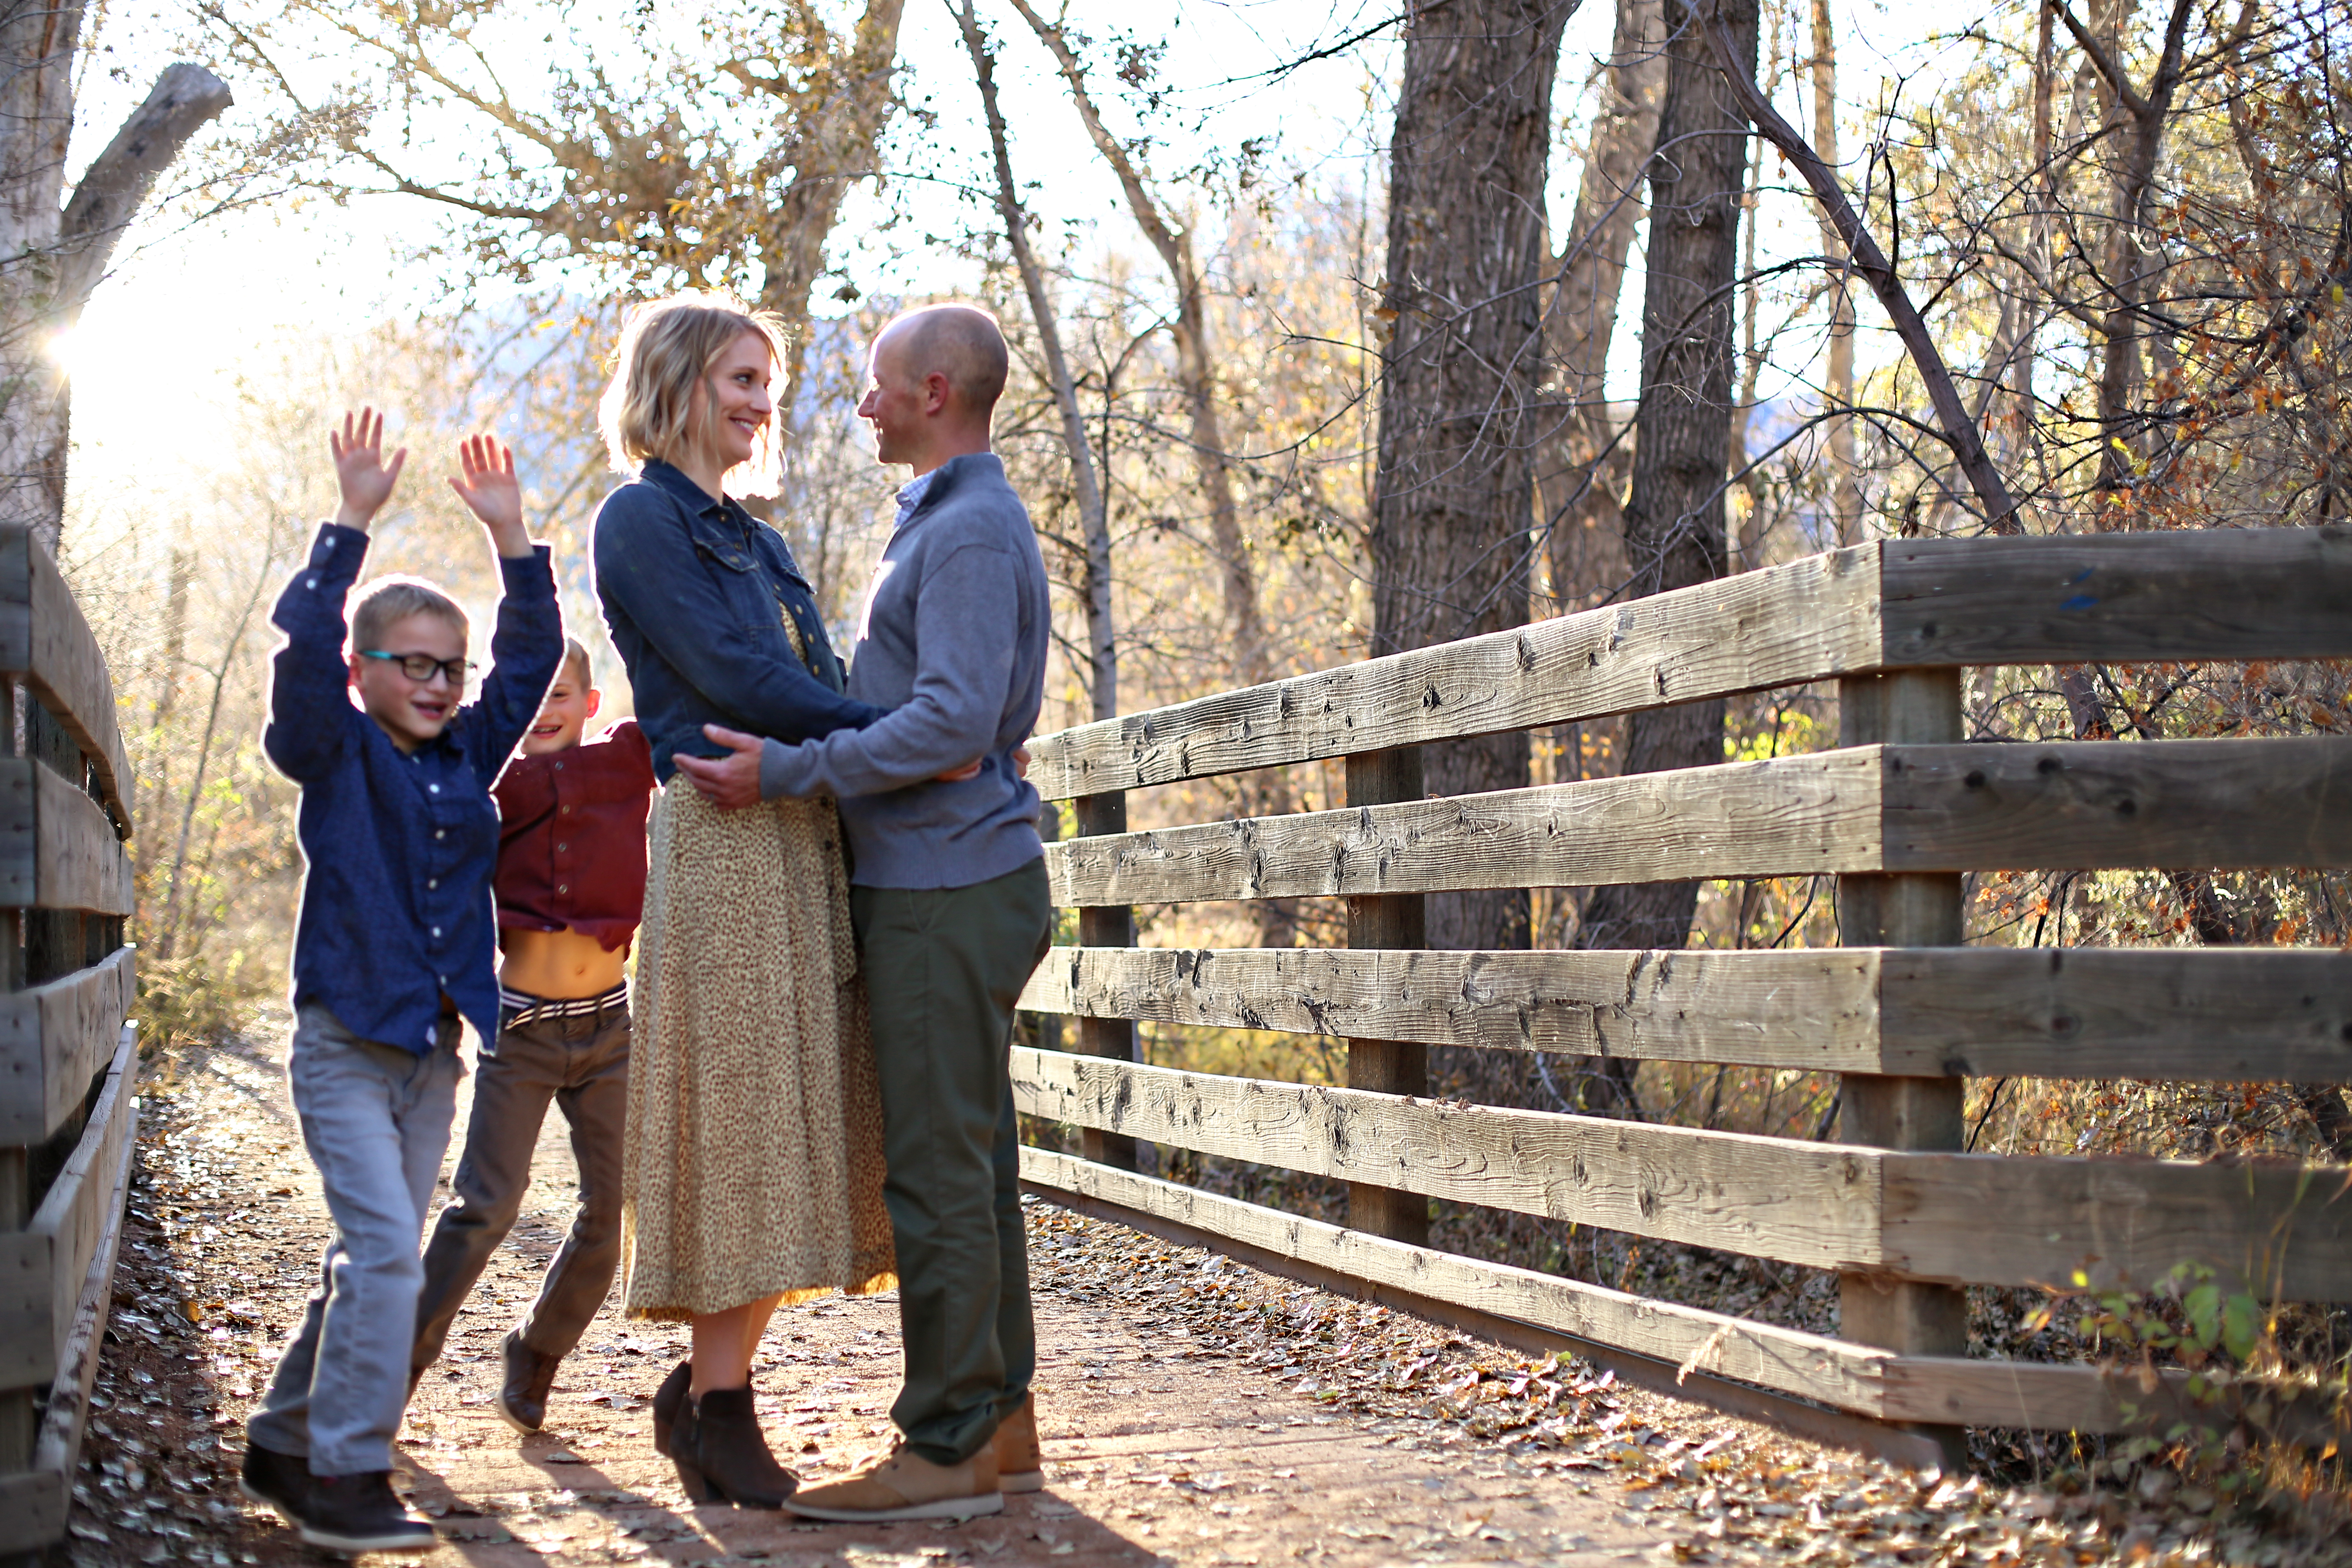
{"x": 277, "y": 1480}
{"x": 361, "y": 1514}
{"x": 523, "y": 1400}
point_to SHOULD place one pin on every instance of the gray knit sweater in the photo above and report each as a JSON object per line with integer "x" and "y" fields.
{"x": 953, "y": 642}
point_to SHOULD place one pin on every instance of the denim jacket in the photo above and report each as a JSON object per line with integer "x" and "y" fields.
{"x": 694, "y": 590}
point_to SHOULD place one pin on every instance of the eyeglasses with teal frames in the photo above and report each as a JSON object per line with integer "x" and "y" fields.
{"x": 421, "y": 668}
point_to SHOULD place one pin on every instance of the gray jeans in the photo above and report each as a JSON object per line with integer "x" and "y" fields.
{"x": 375, "y": 1118}
{"x": 580, "y": 1063}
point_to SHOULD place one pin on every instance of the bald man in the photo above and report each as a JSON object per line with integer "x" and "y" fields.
{"x": 949, "y": 899}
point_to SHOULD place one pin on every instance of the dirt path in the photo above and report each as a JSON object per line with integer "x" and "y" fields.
{"x": 1194, "y": 1412}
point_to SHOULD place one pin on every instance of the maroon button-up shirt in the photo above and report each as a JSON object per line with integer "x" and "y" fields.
{"x": 572, "y": 837}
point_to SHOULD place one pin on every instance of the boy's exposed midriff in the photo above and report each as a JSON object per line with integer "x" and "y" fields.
{"x": 569, "y": 890}
{"x": 559, "y": 965}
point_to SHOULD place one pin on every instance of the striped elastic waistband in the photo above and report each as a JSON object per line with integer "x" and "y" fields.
{"x": 521, "y": 1007}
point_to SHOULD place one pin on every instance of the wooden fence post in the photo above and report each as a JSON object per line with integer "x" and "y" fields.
{"x": 1387, "y": 1067}
{"x": 17, "y": 1412}
{"x": 1918, "y": 707}
{"x": 1105, "y": 926}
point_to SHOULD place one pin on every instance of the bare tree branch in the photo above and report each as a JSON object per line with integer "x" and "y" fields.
{"x": 2105, "y": 62}
{"x": 1993, "y": 490}
{"x": 1093, "y": 511}
{"x": 186, "y": 98}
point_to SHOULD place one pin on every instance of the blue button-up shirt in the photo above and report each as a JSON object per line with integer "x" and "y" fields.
{"x": 398, "y": 848}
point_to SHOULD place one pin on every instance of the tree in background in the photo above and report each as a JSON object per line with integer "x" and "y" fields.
{"x": 1674, "y": 518}
{"x": 1085, "y": 475}
{"x": 1452, "y": 524}
{"x": 720, "y": 160}
{"x": 1845, "y": 480}
{"x": 53, "y": 250}
{"x": 1583, "y": 474}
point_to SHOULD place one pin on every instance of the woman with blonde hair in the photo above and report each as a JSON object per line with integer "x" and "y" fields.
{"x": 754, "y": 1169}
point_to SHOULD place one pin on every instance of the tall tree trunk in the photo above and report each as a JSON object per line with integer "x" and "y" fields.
{"x": 53, "y": 251}
{"x": 834, "y": 149}
{"x": 1746, "y": 550}
{"x": 1086, "y": 483}
{"x": 1845, "y": 478}
{"x": 1747, "y": 533}
{"x": 1674, "y": 513}
{"x": 1580, "y": 484}
{"x": 1453, "y": 493}
{"x": 37, "y": 40}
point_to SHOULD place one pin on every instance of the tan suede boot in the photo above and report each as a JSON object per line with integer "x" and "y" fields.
{"x": 900, "y": 1483}
{"x": 1020, "y": 1467}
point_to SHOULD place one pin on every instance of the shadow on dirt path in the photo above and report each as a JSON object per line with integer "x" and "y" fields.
{"x": 1194, "y": 1412}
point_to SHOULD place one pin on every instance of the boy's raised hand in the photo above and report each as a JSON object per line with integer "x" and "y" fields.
{"x": 487, "y": 484}
{"x": 362, "y": 475}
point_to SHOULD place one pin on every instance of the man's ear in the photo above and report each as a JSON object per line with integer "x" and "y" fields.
{"x": 936, "y": 393}
{"x": 353, "y": 660}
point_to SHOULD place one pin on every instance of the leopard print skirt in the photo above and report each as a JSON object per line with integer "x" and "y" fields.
{"x": 754, "y": 1157}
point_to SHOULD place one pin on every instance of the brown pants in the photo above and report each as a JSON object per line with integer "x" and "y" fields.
{"x": 581, "y": 1063}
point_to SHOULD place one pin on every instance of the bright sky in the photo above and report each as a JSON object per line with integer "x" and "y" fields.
{"x": 228, "y": 289}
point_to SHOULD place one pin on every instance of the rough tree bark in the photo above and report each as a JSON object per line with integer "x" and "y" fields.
{"x": 53, "y": 252}
{"x": 1454, "y": 490}
{"x": 1579, "y": 489}
{"x": 1086, "y": 483}
{"x": 1675, "y": 512}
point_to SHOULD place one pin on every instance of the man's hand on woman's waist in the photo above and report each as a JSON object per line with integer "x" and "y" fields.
{"x": 732, "y": 781}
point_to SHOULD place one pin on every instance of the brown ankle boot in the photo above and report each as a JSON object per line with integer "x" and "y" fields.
{"x": 722, "y": 1455}
{"x": 522, "y": 1398}
{"x": 668, "y": 1400}
{"x": 1020, "y": 1467}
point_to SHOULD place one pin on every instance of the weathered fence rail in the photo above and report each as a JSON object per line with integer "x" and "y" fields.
{"x": 1896, "y": 812}
{"x": 67, "y": 1057}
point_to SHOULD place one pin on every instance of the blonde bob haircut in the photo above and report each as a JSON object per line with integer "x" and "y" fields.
{"x": 666, "y": 350}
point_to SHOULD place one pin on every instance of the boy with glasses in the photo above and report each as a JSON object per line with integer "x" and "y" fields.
{"x": 392, "y": 948}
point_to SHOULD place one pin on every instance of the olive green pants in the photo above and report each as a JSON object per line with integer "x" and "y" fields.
{"x": 943, "y": 968}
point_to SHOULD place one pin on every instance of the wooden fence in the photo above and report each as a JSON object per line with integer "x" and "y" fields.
{"x": 1897, "y": 813}
{"x": 67, "y": 1057}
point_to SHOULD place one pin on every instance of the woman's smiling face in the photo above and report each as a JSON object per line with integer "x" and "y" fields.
{"x": 731, "y": 406}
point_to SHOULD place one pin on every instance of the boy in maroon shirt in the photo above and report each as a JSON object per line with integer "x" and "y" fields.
{"x": 571, "y": 886}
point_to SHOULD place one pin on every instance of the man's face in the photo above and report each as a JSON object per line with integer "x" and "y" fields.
{"x": 571, "y": 703}
{"x": 894, "y": 404}
{"x": 413, "y": 712}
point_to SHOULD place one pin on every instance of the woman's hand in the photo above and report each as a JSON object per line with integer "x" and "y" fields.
{"x": 971, "y": 768}
{"x": 730, "y": 783}
{"x": 487, "y": 486}
{"x": 362, "y": 474}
